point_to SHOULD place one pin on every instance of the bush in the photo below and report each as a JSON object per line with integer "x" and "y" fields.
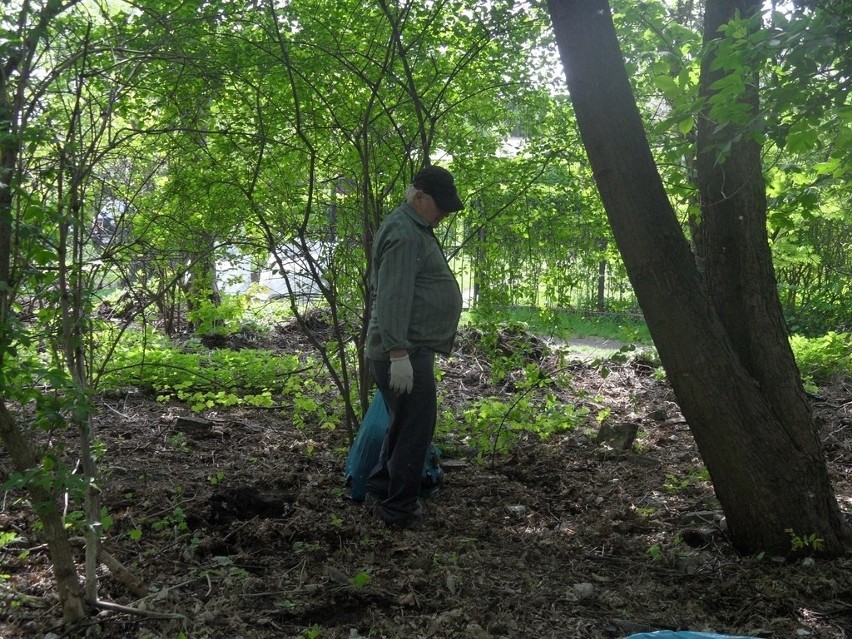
{"x": 822, "y": 359}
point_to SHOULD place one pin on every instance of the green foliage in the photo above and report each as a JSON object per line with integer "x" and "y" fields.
{"x": 216, "y": 128}
{"x": 52, "y": 475}
{"x": 565, "y": 323}
{"x": 205, "y": 378}
{"x": 8, "y": 538}
{"x": 492, "y": 424}
{"x": 808, "y": 117}
{"x": 655, "y": 552}
{"x": 178, "y": 440}
{"x": 801, "y": 57}
{"x": 224, "y": 318}
{"x": 509, "y": 346}
{"x": 361, "y": 579}
{"x": 666, "y": 551}
{"x": 314, "y": 632}
{"x": 675, "y": 484}
{"x": 174, "y": 521}
{"x": 552, "y": 263}
{"x": 821, "y": 359}
{"x": 533, "y": 404}
{"x": 804, "y": 543}
{"x": 75, "y": 521}
{"x": 223, "y": 567}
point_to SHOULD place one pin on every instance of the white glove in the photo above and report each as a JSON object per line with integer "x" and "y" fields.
{"x": 401, "y": 375}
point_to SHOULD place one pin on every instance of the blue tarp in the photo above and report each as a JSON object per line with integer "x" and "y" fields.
{"x": 683, "y": 634}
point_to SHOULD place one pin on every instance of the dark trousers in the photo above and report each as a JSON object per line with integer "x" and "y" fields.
{"x": 397, "y": 476}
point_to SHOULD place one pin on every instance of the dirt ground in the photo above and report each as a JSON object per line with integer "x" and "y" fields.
{"x": 241, "y": 527}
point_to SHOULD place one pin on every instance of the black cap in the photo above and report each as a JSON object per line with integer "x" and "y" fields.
{"x": 438, "y": 182}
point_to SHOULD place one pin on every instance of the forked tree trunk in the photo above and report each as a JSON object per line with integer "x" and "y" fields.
{"x": 759, "y": 444}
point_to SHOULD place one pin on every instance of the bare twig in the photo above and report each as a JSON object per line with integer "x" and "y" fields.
{"x": 114, "y": 607}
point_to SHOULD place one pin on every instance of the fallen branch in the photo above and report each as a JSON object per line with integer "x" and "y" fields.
{"x": 114, "y": 607}
{"x": 122, "y": 574}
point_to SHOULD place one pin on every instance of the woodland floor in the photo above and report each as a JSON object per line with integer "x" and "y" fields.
{"x": 247, "y": 531}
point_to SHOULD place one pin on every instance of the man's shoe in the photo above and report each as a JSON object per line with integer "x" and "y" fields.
{"x": 372, "y": 501}
{"x": 413, "y": 521}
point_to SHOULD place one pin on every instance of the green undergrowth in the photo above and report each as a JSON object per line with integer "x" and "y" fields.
{"x": 823, "y": 359}
{"x": 820, "y": 359}
{"x": 567, "y": 324}
{"x": 526, "y": 399}
{"x": 490, "y": 425}
{"x": 205, "y": 378}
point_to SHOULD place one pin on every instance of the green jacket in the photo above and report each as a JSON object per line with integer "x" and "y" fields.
{"x": 416, "y": 301}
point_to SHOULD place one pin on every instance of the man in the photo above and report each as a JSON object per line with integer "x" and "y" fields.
{"x": 415, "y": 309}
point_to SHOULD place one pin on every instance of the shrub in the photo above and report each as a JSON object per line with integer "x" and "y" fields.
{"x": 821, "y": 359}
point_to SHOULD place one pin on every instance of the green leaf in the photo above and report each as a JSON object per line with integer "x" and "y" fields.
{"x": 361, "y": 579}
{"x": 685, "y": 126}
{"x": 830, "y": 167}
{"x": 801, "y": 138}
{"x": 666, "y": 84}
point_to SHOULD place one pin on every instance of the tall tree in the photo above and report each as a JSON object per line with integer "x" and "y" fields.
{"x": 759, "y": 443}
{"x": 24, "y": 33}
{"x": 807, "y": 104}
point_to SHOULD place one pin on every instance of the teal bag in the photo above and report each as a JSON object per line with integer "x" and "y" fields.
{"x": 367, "y": 447}
{"x": 686, "y": 634}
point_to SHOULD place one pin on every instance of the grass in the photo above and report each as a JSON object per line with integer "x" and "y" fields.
{"x": 820, "y": 359}
{"x": 567, "y": 324}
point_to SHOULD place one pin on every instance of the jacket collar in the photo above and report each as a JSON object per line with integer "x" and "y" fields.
{"x": 414, "y": 215}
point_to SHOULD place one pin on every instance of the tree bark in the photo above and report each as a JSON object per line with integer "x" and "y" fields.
{"x": 24, "y": 458}
{"x": 769, "y": 476}
{"x": 740, "y": 279}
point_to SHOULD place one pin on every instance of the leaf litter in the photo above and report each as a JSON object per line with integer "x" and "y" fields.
{"x": 245, "y": 530}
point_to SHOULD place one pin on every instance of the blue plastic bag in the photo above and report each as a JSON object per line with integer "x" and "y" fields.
{"x": 367, "y": 446}
{"x": 683, "y": 634}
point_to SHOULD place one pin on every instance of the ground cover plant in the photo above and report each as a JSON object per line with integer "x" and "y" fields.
{"x": 233, "y": 520}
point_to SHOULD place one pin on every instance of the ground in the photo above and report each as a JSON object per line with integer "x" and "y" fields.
{"x": 240, "y": 526}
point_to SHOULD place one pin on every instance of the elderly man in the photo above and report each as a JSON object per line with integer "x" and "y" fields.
{"x": 415, "y": 309}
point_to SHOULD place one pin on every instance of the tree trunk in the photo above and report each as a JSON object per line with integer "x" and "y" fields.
{"x": 739, "y": 277}
{"x": 200, "y": 284}
{"x": 16, "y": 69}
{"x": 8, "y": 160}
{"x": 769, "y": 476}
{"x": 61, "y": 553}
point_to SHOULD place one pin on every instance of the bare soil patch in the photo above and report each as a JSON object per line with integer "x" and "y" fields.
{"x": 246, "y": 530}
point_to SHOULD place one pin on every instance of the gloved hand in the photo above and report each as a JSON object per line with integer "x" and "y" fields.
{"x": 401, "y": 374}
